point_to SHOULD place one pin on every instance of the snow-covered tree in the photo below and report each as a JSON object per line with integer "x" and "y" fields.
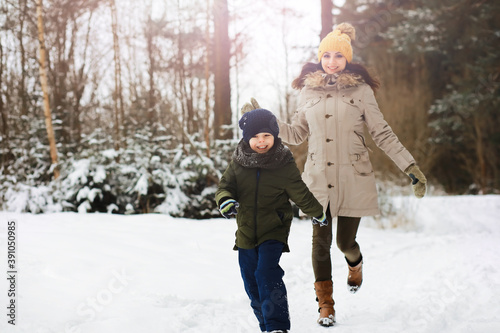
{"x": 460, "y": 40}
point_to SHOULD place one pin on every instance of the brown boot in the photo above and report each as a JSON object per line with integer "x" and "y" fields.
{"x": 355, "y": 278}
{"x": 324, "y": 296}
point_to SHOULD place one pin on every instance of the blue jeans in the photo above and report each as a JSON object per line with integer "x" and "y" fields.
{"x": 263, "y": 280}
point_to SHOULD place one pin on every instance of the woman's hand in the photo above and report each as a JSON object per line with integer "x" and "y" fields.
{"x": 247, "y": 107}
{"x": 418, "y": 180}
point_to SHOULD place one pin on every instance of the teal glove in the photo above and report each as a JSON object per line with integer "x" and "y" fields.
{"x": 247, "y": 107}
{"x": 228, "y": 208}
{"x": 418, "y": 180}
{"x": 322, "y": 221}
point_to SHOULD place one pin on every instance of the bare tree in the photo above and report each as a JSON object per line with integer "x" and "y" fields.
{"x": 23, "y": 4}
{"x": 326, "y": 17}
{"x": 3, "y": 118}
{"x": 79, "y": 82}
{"x": 118, "y": 94}
{"x": 45, "y": 88}
{"x": 151, "y": 70}
{"x": 207, "y": 81}
{"x": 222, "y": 86}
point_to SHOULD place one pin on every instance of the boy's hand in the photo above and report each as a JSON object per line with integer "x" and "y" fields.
{"x": 322, "y": 221}
{"x": 228, "y": 208}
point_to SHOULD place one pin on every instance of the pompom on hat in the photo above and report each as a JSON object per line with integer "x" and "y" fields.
{"x": 338, "y": 40}
{"x": 258, "y": 121}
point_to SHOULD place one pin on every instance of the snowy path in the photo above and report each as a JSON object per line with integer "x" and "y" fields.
{"x": 152, "y": 273}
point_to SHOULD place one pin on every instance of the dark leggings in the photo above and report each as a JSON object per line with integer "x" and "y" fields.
{"x": 347, "y": 227}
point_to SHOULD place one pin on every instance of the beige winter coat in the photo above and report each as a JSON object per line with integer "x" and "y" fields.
{"x": 332, "y": 112}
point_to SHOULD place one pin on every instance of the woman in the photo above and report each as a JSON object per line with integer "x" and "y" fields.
{"x": 336, "y": 102}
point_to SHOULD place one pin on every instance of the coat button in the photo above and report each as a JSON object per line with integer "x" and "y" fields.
{"x": 328, "y": 116}
{"x": 330, "y": 186}
{"x": 328, "y": 140}
{"x": 330, "y": 163}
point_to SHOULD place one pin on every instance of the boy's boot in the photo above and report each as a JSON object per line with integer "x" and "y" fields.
{"x": 324, "y": 296}
{"x": 355, "y": 278}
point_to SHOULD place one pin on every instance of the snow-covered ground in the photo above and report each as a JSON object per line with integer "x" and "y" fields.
{"x": 153, "y": 273}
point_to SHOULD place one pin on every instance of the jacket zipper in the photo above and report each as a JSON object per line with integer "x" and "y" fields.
{"x": 255, "y": 209}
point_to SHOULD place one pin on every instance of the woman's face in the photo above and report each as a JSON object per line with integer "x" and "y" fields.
{"x": 333, "y": 62}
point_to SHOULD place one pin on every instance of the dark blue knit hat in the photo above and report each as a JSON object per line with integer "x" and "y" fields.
{"x": 259, "y": 121}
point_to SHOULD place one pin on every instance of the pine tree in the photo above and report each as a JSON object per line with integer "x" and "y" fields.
{"x": 459, "y": 39}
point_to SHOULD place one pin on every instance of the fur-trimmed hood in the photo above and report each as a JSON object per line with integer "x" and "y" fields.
{"x": 342, "y": 80}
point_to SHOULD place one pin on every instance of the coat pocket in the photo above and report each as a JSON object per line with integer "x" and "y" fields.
{"x": 354, "y": 107}
{"x": 362, "y": 140}
{"x": 361, "y": 164}
{"x": 310, "y": 102}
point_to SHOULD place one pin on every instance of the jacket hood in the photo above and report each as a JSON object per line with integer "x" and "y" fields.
{"x": 342, "y": 80}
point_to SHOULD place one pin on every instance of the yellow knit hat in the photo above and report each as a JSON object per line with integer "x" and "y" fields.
{"x": 338, "y": 40}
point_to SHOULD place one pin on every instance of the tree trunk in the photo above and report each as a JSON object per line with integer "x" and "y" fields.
{"x": 44, "y": 84}
{"x": 326, "y": 18}
{"x": 80, "y": 82}
{"x": 191, "y": 120}
{"x": 57, "y": 66}
{"x": 117, "y": 96}
{"x": 22, "y": 87}
{"x": 3, "y": 118}
{"x": 207, "y": 81}
{"x": 222, "y": 86}
{"x": 152, "y": 67}
{"x": 482, "y": 177}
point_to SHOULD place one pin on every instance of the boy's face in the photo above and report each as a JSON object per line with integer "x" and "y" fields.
{"x": 261, "y": 142}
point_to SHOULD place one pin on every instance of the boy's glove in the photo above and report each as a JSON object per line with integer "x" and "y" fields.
{"x": 247, "y": 107}
{"x": 322, "y": 221}
{"x": 228, "y": 208}
{"x": 418, "y": 180}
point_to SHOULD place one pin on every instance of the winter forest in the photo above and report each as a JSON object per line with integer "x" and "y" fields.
{"x": 131, "y": 106}
{"x": 118, "y": 118}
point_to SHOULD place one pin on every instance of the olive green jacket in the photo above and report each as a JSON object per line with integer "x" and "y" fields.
{"x": 265, "y": 212}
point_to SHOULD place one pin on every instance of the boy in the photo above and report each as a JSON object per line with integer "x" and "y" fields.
{"x": 257, "y": 185}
